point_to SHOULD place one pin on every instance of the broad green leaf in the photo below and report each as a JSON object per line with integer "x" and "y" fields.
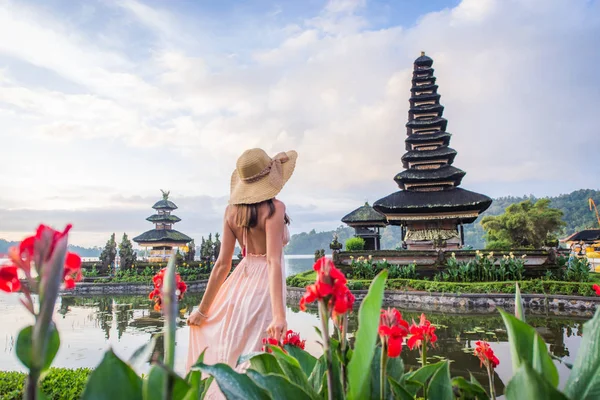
{"x": 315, "y": 378}
{"x": 279, "y": 387}
{"x": 519, "y": 312}
{"x": 113, "y": 379}
{"x": 306, "y": 360}
{"x": 143, "y": 353}
{"x": 154, "y": 384}
{"x": 399, "y": 391}
{"x": 525, "y": 349}
{"x": 469, "y": 390}
{"x": 528, "y": 384}
{"x": 234, "y": 385}
{"x": 584, "y": 381}
{"x": 366, "y": 338}
{"x": 265, "y": 363}
{"x": 24, "y": 346}
{"x": 291, "y": 368}
{"x": 416, "y": 380}
{"x": 247, "y": 357}
{"x": 194, "y": 379}
{"x": 440, "y": 386}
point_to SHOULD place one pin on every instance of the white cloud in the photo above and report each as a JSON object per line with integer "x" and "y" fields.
{"x": 516, "y": 77}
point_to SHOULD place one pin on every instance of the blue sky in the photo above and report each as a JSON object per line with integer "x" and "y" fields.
{"x": 103, "y": 103}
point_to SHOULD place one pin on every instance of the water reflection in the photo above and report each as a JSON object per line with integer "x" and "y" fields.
{"x": 89, "y": 325}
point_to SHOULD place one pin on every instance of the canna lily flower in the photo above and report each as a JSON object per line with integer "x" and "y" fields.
{"x": 269, "y": 342}
{"x": 596, "y": 288}
{"x": 156, "y": 293}
{"x": 423, "y": 333}
{"x": 330, "y": 287}
{"x": 486, "y": 355}
{"x": 9, "y": 279}
{"x": 293, "y": 339}
{"x": 392, "y": 331}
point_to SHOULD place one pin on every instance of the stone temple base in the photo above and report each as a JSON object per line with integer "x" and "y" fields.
{"x": 450, "y": 244}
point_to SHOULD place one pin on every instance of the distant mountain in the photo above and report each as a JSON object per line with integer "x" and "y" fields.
{"x": 82, "y": 251}
{"x": 574, "y": 205}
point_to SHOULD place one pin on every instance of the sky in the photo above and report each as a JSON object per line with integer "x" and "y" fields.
{"x": 105, "y": 102}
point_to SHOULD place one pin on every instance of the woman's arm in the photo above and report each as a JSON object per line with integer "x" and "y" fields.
{"x": 218, "y": 274}
{"x": 274, "y": 231}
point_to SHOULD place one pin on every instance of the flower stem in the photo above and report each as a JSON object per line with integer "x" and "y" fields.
{"x": 383, "y": 369}
{"x": 490, "y": 372}
{"x": 327, "y": 349}
{"x": 170, "y": 312}
{"x": 424, "y": 353}
{"x": 343, "y": 345}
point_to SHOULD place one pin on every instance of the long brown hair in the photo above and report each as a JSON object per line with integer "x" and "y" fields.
{"x": 246, "y": 215}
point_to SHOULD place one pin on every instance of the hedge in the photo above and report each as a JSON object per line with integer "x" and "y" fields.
{"x": 530, "y": 286}
{"x": 59, "y": 383}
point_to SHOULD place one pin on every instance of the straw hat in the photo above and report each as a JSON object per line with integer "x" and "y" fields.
{"x": 258, "y": 177}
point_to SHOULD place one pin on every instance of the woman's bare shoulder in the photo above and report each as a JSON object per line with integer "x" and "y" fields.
{"x": 279, "y": 205}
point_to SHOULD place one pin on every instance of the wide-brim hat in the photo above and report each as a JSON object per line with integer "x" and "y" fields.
{"x": 258, "y": 177}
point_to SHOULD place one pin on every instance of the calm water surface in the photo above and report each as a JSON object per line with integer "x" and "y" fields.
{"x": 90, "y": 325}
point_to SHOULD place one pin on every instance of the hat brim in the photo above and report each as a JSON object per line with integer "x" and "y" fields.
{"x": 262, "y": 189}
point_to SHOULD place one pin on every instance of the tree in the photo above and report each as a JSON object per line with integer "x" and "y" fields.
{"x": 108, "y": 255}
{"x": 126, "y": 253}
{"x": 528, "y": 224}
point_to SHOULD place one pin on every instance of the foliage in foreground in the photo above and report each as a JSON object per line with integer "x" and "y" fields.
{"x": 364, "y": 370}
{"x": 59, "y": 383}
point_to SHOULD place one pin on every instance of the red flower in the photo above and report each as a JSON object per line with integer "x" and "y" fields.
{"x": 269, "y": 342}
{"x": 40, "y": 248}
{"x": 293, "y": 339}
{"x": 392, "y": 331}
{"x": 330, "y": 288}
{"x": 156, "y": 294}
{"x": 485, "y": 354}
{"x": 596, "y": 288}
{"x": 9, "y": 279}
{"x": 422, "y": 333}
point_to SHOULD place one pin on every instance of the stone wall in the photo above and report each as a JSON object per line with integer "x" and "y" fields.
{"x": 464, "y": 303}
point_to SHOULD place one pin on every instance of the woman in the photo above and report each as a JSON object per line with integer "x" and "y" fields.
{"x": 237, "y": 312}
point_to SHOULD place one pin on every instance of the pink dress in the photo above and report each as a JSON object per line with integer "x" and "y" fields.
{"x": 238, "y": 318}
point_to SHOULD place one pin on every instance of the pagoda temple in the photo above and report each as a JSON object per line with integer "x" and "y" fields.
{"x": 163, "y": 238}
{"x": 430, "y": 206}
{"x": 367, "y": 222}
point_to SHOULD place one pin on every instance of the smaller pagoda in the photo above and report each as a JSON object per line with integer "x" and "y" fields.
{"x": 163, "y": 238}
{"x": 367, "y": 223}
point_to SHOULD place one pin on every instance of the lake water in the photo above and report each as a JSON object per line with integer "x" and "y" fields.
{"x": 90, "y": 325}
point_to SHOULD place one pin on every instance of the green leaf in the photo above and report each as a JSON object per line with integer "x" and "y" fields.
{"x": 519, "y": 313}
{"x": 113, "y": 379}
{"x": 469, "y": 390}
{"x": 154, "y": 384}
{"x": 306, "y": 360}
{"x": 527, "y": 347}
{"x": 279, "y": 387}
{"x": 529, "y": 384}
{"x": 416, "y": 380}
{"x": 584, "y": 381}
{"x": 315, "y": 378}
{"x": 399, "y": 391}
{"x": 291, "y": 368}
{"x": 265, "y": 363}
{"x": 234, "y": 385}
{"x": 143, "y": 353}
{"x": 24, "y": 346}
{"x": 366, "y": 338}
{"x": 440, "y": 386}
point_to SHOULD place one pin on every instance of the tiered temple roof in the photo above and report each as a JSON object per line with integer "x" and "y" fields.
{"x": 429, "y": 182}
{"x": 365, "y": 216}
{"x": 163, "y": 234}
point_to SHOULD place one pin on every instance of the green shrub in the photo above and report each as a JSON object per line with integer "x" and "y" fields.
{"x": 58, "y": 384}
{"x": 355, "y": 244}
